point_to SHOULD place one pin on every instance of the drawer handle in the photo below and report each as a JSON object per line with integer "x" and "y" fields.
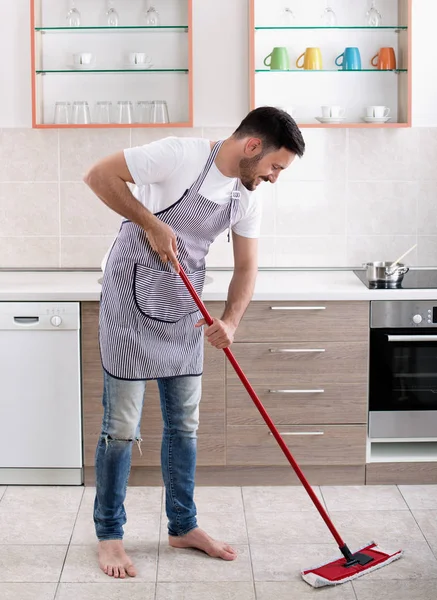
{"x": 295, "y": 350}
{"x": 300, "y": 433}
{"x": 296, "y": 391}
{"x": 298, "y": 308}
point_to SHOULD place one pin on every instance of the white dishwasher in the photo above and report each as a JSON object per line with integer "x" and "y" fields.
{"x": 40, "y": 394}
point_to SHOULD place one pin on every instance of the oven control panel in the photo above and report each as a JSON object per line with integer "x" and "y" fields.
{"x": 403, "y": 314}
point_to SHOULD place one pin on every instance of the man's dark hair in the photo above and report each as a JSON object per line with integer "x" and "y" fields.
{"x": 275, "y": 128}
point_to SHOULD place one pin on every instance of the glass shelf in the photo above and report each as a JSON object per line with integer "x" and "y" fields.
{"x": 331, "y": 70}
{"x": 112, "y": 71}
{"x": 113, "y": 29}
{"x": 391, "y": 27}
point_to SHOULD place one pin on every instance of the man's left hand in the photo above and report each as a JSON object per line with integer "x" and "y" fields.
{"x": 220, "y": 334}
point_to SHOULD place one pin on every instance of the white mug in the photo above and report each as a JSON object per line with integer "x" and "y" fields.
{"x": 139, "y": 58}
{"x": 333, "y": 111}
{"x": 83, "y": 58}
{"x": 288, "y": 109}
{"x": 378, "y": 111}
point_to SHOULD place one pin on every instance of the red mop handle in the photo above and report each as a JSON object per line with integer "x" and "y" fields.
{"x": 265, "y": 415}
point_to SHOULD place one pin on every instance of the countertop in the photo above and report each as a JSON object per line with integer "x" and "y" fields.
{"x": 271, "y": 285}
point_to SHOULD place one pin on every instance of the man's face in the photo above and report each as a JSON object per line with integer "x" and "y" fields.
{"x": 263, "y": 167}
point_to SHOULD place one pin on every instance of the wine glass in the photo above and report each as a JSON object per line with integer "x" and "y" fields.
{"x": 73, "y": 15}
{"x": 288, "y": 16}
{"x": 112, "y": 14}
{"x": 152, "y": 17}
{"x": 374, "y": 17}
{"x": 329, "y": 18}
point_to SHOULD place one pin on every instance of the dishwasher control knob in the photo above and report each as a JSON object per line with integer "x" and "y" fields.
{"x": 417, "y": 319}
{"x": 56, "y": 321}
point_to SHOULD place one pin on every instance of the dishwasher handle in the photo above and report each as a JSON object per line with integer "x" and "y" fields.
{"x": 26, "y": 321}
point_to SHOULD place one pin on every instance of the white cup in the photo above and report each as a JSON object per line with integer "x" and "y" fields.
{"x": 139, "y": 58}
{"x": 333, "y": 111}
{"x": 378, "y": 111}
{"x": 83, "y": 58}
{"x": 289, "y": 109}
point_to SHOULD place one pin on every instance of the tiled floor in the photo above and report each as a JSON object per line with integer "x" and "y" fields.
{"x": 48, "y": 549}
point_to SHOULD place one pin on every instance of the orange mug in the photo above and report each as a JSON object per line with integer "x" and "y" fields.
{"x": 385, "y": 59}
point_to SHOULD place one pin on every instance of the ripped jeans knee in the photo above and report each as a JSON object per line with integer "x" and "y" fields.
{"x": 111, "y": 440}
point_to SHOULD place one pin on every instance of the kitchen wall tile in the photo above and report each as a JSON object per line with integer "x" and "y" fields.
{"x": 311, "y": 208}
{"x": 267, "y": 195}
{"x": 84, "y": 251}
{"x": 426, "y": 207}
{"x": 81, "y": 148}
{"x": 28, "y": 155}
{"x": 145, "y": 136}
{"x": 324, "y": 159}
{"x": 215, "y": 134}
{"x": 220, "y": 252}
{"x": 29, "y": 209}
{"x": 380, "y": 155}
{"x": 82, "y": 213}
{"x": 311, "y": 251}
{"x": 29, "y": 252}
{"x": 422, "y": 153}
{"x": 267, "y": 252}
{"x": 369, "y": 248}
{"x": 427, "y": 250}
{"x": 382, "y": 208}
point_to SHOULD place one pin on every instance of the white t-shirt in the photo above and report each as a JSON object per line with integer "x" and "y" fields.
{"x": 165, "y": 169}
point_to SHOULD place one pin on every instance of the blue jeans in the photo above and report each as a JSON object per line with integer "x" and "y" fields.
{"x": 123, "y": 403}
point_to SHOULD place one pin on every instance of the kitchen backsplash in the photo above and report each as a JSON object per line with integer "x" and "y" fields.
{"x": 357, "y": 195}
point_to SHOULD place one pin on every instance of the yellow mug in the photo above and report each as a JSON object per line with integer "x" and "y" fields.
{"x": 312, "y": 59}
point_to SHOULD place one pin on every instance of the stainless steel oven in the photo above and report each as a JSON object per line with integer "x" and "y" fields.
{"x": 403, "y": 369}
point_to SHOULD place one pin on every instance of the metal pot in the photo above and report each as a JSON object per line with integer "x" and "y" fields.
{"x": 380, "y": 272}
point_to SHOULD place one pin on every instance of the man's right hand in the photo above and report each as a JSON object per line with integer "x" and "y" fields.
{"x": 163, "y": 241}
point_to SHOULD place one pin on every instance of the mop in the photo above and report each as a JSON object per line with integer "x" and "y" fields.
{"x": 343, "y": 567}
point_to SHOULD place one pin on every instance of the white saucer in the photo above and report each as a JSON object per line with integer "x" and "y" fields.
{"x": 82, "y": 67}
{"x": 330, "y": 119}
{"x": 143, "y": 67}
{"x": 376, "y": 119}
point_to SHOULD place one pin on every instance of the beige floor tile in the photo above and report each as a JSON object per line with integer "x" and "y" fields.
{"x": 360, "y": 497}
{"x": 81, "y": 565}
{"x": 27, "y": 591}
{"x": 286, "y": 590}
{"x": 47, "y": 499}
{"x": 216, "y": 499}
{"x": 114, "y": 590}
{"x": 228, "y": 527}
{"x": 279, "y": 498}
{"x": 33, "y": 526}
{"x": 390, "y": 529}
{"x": 205, "y": 591}
{"x": 138, "y": 499}
{"x": 33, "y": 564}
{"x": 286, "y": 527}
{"x": 427, "y": 520}
{"x": 177, "y": 565}
{"x": 140, "y": 528}
{"x": 285, "y": 562}
{"x": 420, "y": 497}
{"x": 396, "y": 590}
{"x": 2, "y": 491}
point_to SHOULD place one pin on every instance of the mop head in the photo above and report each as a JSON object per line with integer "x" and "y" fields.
{"x": 334, "y": 572}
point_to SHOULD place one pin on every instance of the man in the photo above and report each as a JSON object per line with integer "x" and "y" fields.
{"x": 188, "y": 191}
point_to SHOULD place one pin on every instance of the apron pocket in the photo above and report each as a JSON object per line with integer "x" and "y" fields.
{"x": 162, "y": 295}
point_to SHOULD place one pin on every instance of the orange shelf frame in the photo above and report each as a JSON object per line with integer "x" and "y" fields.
{"x": 403, "y": 125}
{"x": 188, "y": 123}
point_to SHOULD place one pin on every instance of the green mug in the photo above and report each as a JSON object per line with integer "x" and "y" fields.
{"x": 279, "y": 59}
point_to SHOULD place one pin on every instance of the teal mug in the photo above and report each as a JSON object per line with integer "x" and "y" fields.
{"x": 279, "y": 59}
{"x": 351, "y": 60}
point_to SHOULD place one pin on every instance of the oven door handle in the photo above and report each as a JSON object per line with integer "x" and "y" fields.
{"x": 412, "y": 338}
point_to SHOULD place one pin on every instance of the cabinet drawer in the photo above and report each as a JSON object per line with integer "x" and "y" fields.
{"x": 301, "y": 401}
{"x": 310, "y": 445}
{"x": 282, "y": 364}
{"x": 304, "y": 321}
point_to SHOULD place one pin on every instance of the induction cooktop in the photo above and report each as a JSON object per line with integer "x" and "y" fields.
{"x": 415, "y": 279}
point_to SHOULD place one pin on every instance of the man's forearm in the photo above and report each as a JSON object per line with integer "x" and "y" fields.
{"x": 239, "y": 295}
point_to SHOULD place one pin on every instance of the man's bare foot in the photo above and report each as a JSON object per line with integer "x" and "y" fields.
{"x": 114, "y": 561}
{"x": 197, "y": 538}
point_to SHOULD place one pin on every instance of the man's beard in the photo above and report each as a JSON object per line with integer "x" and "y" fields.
{"x": 248, "y": 167}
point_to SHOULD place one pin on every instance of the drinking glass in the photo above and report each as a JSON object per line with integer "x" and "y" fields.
{"x": 160, "y": 112}
{"x": 125, "y": 112}
{"x": 73, "y": 15}
{"x": 81, "y": 112}
{"x": 374, "y": 17}
{"x": 62, "y": 113}
{"x": 103, "y": 112}
{"x": 329, "y": 18}
{"x": 152, "y": 17}
{"x": 112, "y": 15}
{"x": 144, "y": 111}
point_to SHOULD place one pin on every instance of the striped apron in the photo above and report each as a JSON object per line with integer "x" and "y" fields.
{"x": 147, "y": 316}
